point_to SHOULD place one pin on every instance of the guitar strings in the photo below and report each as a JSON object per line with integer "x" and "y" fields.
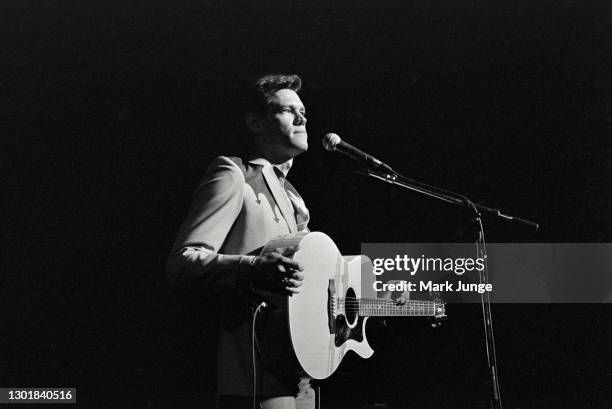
{"x": 416, "y": 307}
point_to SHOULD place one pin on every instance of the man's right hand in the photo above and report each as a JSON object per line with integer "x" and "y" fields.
{"x": 276, "y": 272}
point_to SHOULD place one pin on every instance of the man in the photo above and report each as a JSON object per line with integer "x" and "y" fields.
{"x": 240, "y": 205}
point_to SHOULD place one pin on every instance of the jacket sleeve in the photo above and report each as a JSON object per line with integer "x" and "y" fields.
{"x": 195, "y": 259}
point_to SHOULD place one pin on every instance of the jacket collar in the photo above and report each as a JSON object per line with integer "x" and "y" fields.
{"x": 277, "y": 190}
{"x": 283, "y": 167}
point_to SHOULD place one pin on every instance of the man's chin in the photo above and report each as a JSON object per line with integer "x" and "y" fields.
{"x": 303, "y": 147}
{"x": 301, "y": 143}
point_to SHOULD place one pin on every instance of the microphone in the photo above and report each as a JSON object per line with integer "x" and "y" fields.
{"x": 332, "y": 142}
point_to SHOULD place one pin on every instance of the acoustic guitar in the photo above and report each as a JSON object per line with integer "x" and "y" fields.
{"x": 327, "y": 318}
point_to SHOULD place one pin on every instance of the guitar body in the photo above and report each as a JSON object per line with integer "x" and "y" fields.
{"x": 325, "y": 320}
{"x": 318, "y": 338}
{"x": 326, "y": 274}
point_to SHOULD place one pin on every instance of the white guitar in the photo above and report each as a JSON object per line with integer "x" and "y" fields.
{"x": 328, "y": 317}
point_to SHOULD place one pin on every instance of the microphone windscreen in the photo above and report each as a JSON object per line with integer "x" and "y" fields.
{"x": 330, "y": 141}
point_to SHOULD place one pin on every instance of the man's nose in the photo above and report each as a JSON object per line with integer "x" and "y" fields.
{"x": 300, "y": 119}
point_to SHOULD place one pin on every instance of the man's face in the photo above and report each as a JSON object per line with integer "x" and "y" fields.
{"x": 284, "y": 126}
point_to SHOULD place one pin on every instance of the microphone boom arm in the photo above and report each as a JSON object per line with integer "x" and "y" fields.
{"x": 395, "y": 178}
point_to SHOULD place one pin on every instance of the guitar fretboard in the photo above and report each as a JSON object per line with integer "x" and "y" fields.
{"x": 373, "y": 307}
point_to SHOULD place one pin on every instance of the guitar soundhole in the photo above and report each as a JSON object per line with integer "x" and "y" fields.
{"x": 351, "y": 307}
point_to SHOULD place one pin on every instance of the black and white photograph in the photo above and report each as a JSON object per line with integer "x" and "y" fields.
{"x": 348, "y": 204}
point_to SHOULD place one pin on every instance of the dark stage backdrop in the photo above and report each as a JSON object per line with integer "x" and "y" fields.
{"x": 115, "y": 109}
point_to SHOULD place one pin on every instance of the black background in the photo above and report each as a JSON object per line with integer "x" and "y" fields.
{"x": 115, "y": 109}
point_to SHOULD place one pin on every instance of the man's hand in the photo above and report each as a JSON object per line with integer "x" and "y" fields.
{"x": 404, "y": 298}
{"x": 277, "y": 272}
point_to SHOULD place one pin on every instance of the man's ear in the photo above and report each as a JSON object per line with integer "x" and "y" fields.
{"x": 253, "y": 122}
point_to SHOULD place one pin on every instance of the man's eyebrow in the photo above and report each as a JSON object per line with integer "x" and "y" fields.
{"x": 298, "y": 107}
{"x": 294, "y": 106}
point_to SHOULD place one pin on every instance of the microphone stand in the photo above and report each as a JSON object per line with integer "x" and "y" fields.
{"x": 386, "y": 174}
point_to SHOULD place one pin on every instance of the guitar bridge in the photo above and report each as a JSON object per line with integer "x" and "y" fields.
{"x": 331, "y": 306}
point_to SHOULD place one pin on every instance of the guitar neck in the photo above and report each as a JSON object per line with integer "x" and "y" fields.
{"x": 374, "y": 307}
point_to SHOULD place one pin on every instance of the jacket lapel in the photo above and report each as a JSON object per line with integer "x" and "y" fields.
{"x": 279, "y": 195}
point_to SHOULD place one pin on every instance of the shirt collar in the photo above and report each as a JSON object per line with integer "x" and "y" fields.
{"x": 283, "y": 167}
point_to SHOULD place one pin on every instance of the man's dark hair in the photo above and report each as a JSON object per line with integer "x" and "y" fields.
{"x": 262, "y": 88}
